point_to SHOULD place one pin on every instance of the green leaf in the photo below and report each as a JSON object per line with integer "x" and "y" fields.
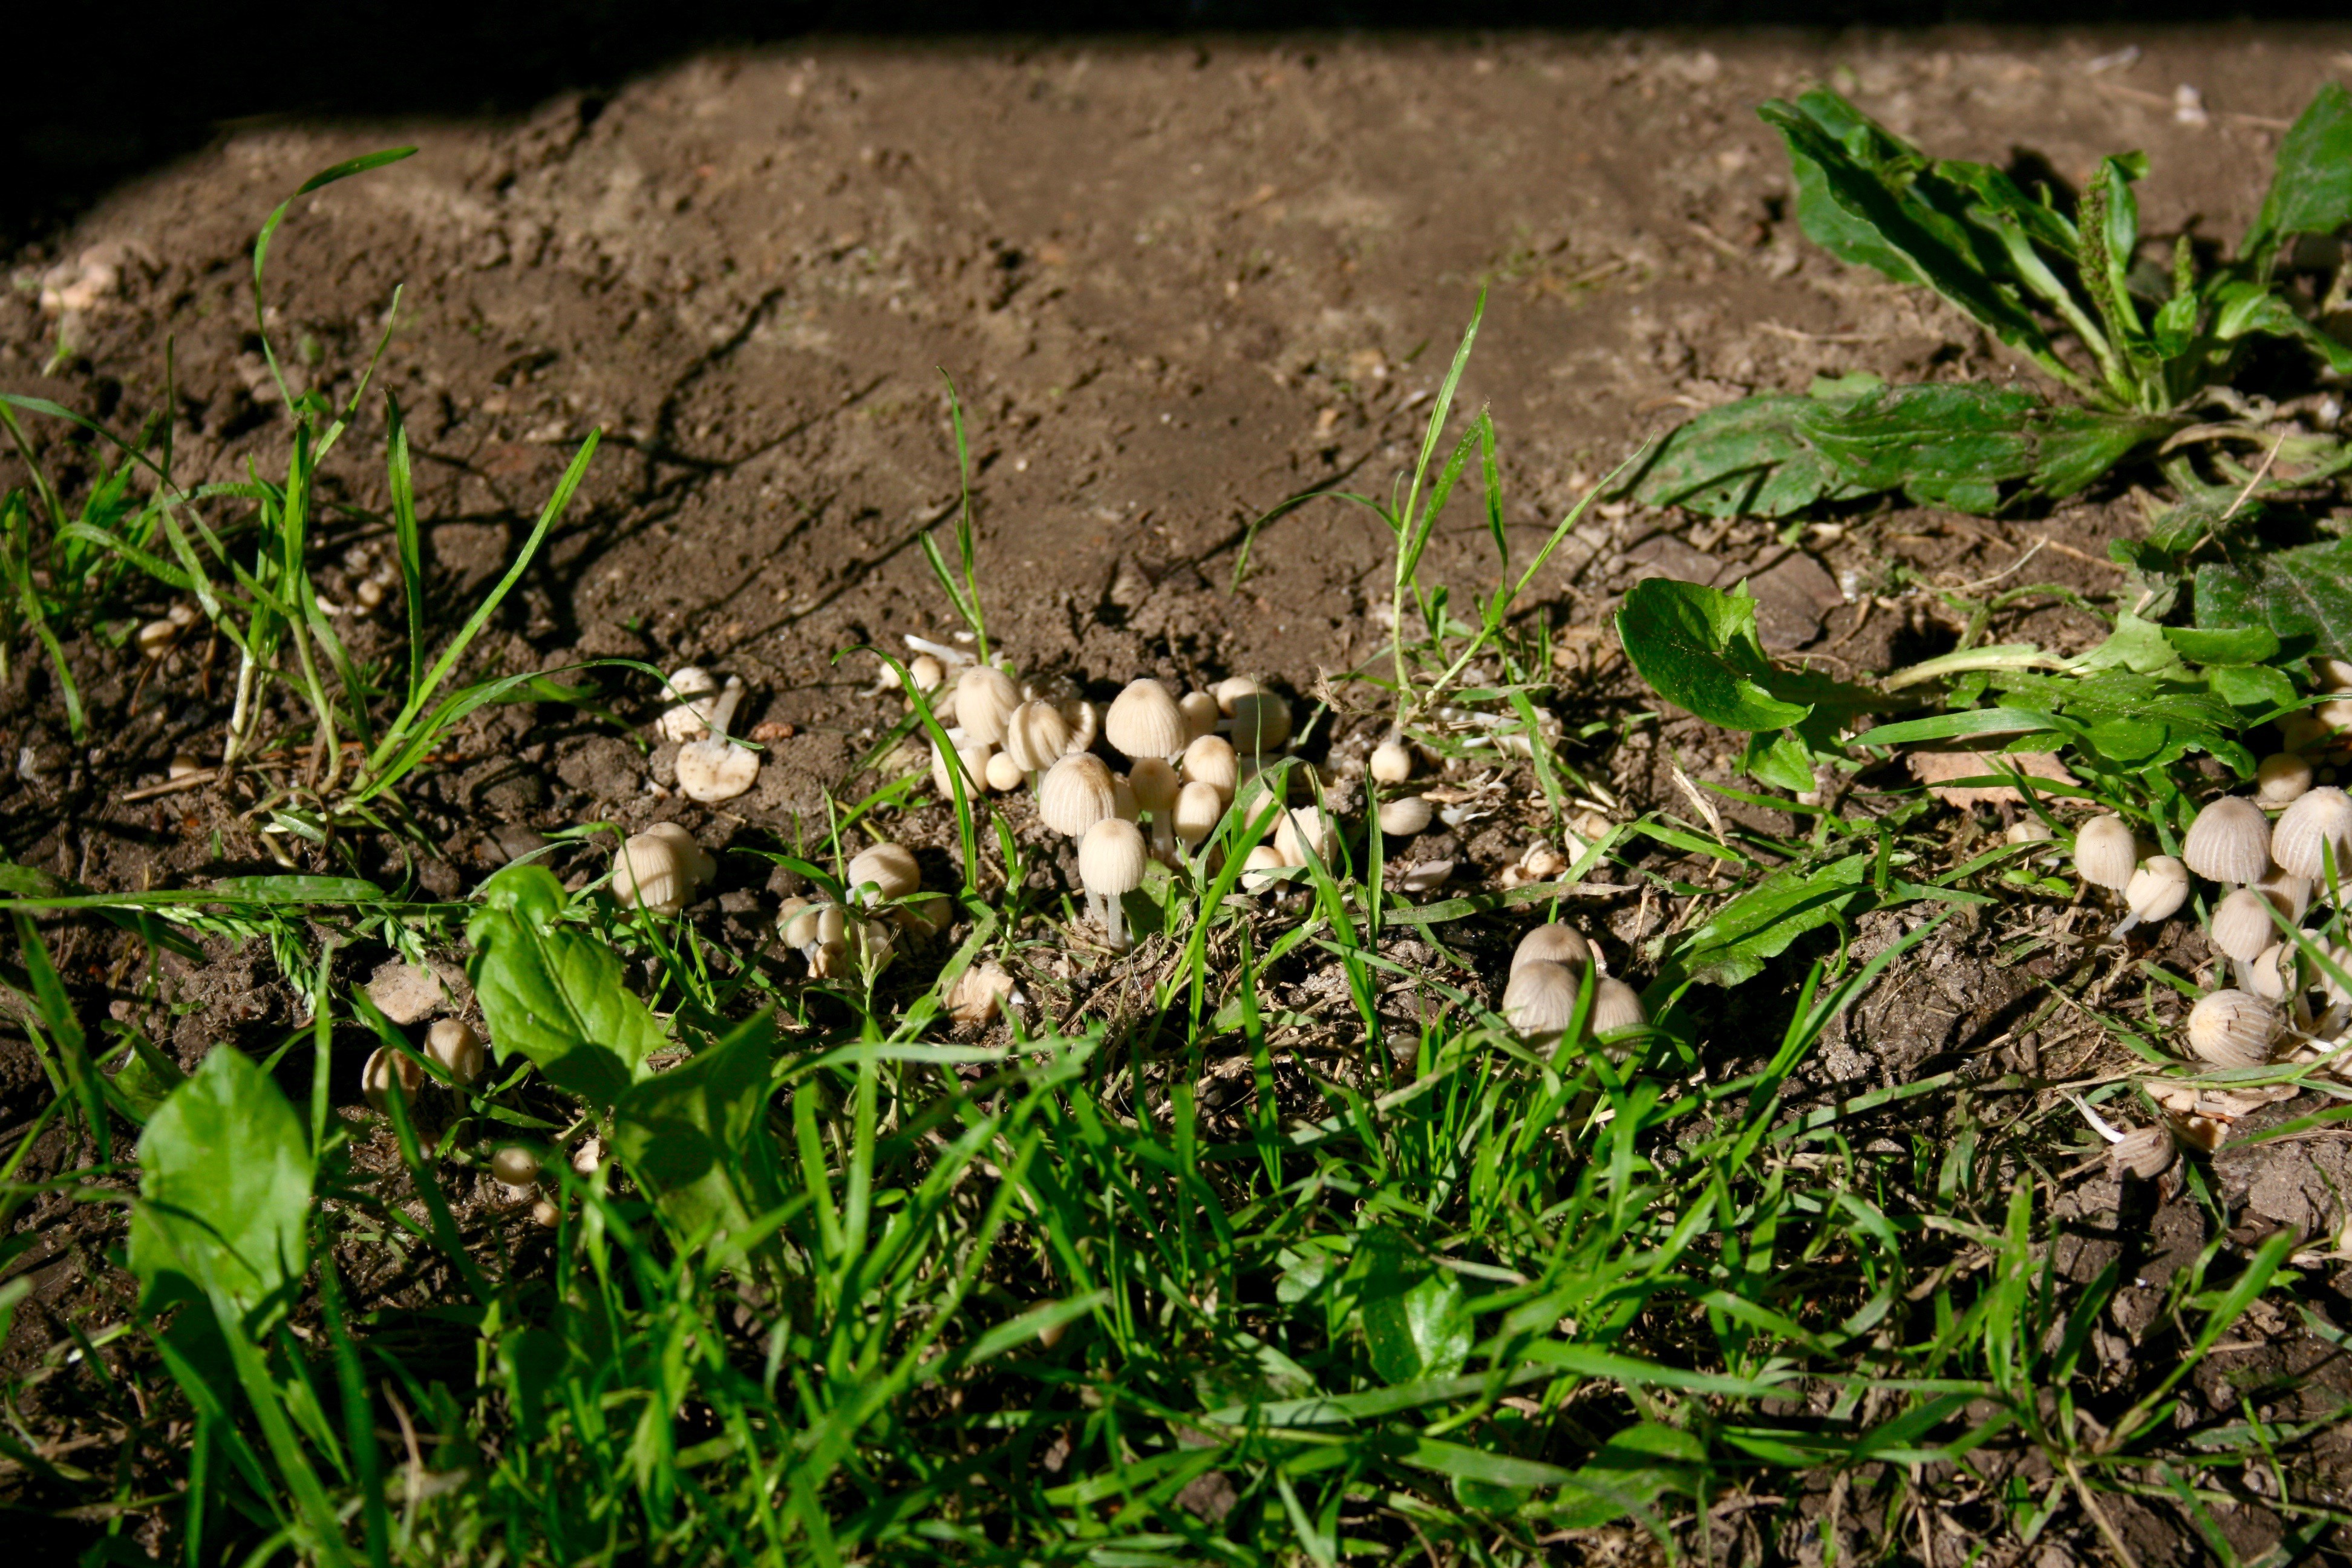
{"x": 1761, "y": 922}
{"x": 2302, "y": 596}
{"x": 1697, "y": 648}
{"x": 2244, "y": 308}
{"x": 1782, "y": 760}
{"x": 2252, "y": 688}
{"x": 223, "y": 1192}
{"x": 2078, "y": 445}
{"x": 1416, "y": 1319}
{"x": 553, "y": 993}
{"x": 2233, "y": 645}
{"x": 2136, "y": 645}
{"x": 2311, "y": 183}
{"x": 696, "y": 1137}
{"x": 1752, "y": 458}
{"x": 1633, "y": 1470}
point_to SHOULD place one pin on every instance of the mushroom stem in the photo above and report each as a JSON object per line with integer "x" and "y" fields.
{"x": 723, "y": 712}
{"x": 2130, "y": 923}
{"x": 1095, "y": 911}
{"x": 939, "y": 651}
{"x": 1163, "y": 835}
{"x": 2098, "y": 1123}
{"x": 1115, "y": 921}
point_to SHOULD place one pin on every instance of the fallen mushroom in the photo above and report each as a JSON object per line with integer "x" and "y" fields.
{"x": 694, "y": 694}
{"x": 658, "y": 870}
{"x": 2155, "y": 891}
{"x": 715, "y": 768}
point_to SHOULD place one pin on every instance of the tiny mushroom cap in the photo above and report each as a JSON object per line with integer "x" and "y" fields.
{"x": 2144, "y": 1152}
{"x": 929, "y": 673}
{"x": 1232, "y": 690}
{"x": 1155, "y": 784}
{"x": 2272, "y": 974}
{"x": 1552, "y": 942}
{"x": 1035, "y": 736}
{"x": 1210, "y": 760}
{"x": 2230, "y": 841}
{"x": 515, "y": 1166}
{"x": 889, "y": 867}
{"x": 2334, "y": 674}
{"x": 985, "y": 699}
{"x": 387, "y": 1072}
{"x": 692, "y": 691}
{"x": 1003, "y": 774}
{"x": 971, "y": 758}
{"x": 979, "y": 994}
{"x": 1404, "y": 817}
{"x": 2241, "y": 925}
{"x": 2105, "y": 854}
{"x": 1075, "y": 794}
{"x": 1259, "y": 866}
{"x": 2157, "y": 889}
{"x": 456, "y": 1050}
{"x": 2029, "y": 830}
{"x": 1391, "y": 764}
{"x": 1111, "y": 857}
{"x": 1197, "y": 810}
{"x": 156, "y": 638}
{"x": 1201, "y": 714}
{"x": 2288, "y": 893}
{"x": 183, "y": 764}
{"x": 712, "y": 770}
{"x": 2232, "y": 1028}
{"x": 1305, "y": 828}
{"x": 1144, "y": 721}
{"x": 1261, "y": 721}
{"x": 1615, "y": 1006}
{"x": 1539, "y": 998}
{"x": 698, "y": 863}
{"x": 2318, "y": 825}
{"x": 2281, "y": 778}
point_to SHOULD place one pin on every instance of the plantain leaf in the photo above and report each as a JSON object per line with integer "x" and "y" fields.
{"x": 553, "y": 993}
{"x": 695, "y": 1137}
{"x": 2303, "y": 595}
{"x": 1697, "y": 648}
{"x": 2311, "y": 184}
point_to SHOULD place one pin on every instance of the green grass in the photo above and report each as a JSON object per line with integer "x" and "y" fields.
{"x": 1289, "y": 1250}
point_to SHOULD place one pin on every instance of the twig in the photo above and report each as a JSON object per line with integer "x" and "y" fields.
{"x": 173, "y": 786}
{"x": 2099, "y": 1516}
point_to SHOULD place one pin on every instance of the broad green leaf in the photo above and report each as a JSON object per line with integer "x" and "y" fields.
{"x": 1782, "y": 760}
{"x": 696, "y": 1137}
{"x": 2252, "y": 688}
{"x": 1416, "y": 1319}
{"x": 223, "y": 1192}
{"x": 2302, "y": 596}
{"x": 2233, "y": 645}
{"x": 2311, "y": 183}
{"x": 553, "y": 993}
{"x": 1633, "y": 1470}
{"x": 2075, "y": 445}
{"x": 1697, "y": 648}
{"x": 1752, "y": 458}
{"x": 2247, "y": 309}
{"x": 1947, "y": 445}
{"x": 2136, "y": 645}
{"x": 1761, "y": 922}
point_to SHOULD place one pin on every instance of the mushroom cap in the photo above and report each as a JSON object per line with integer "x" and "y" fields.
{"x": 1258, "y": 866}
{"x": 2232, "y": 1028}
{"x": 1539, "y": 998}
{"x": 713, "y": 769}
{"x": 2333, "y": 674}
{"x": 1002, "y": 775}
{"x": 2241, "y": 925}
{"x": 796, "y": 922}
{"x": 1035, "y": 736}
{"x": 652, "y": 872}
{"x": 2272, "y": 974}
{"x": 2105, "y": 853}
{"x": 2288, "y": 893}
{"x": 691, "y": 691}
{"x": 698, "y": 863}
{"x": 1155, "y": 784}
{"x": 1210, "y": 760}
{"x": 515, "y": 1166}
{"x": 2319, "y": 823}
{"x": 456, "y": 1050}
{"x": 1615, "y": 1006}
{"x": 1302, "y": 828}
{"x": 2229, "y": 842}
{"x": 1552, "y": 942}
{"x": 1404, "y": 817}
{"x": 928, "y": 673}
{"x": 2144, "y": 1152}
{"x": 2157, "y": 889}
{"x": 1201, "y": 714}
{"x": 1084, "y": 724}
{"x": 1230, "y": 690}
{"x": 2281, "y": 779}
{"x": 979, "y": 994}
{"x": 1197, "y": 811}
{"x": 1144, "y": 721}
{"x": 971, "y": 759}
{"x": 1111, "y": 857}
{"x": 2339, "y": 955}
{"x": 1075, "y": 794}
{"x": 889, "y": 867}
{"x": 1261, "y": 721}
{"x": 985, "y": 699}
{"x": 156, "y": 638}
{"x": 386, "y": 1071}
{"x": 1391, "y": 763}
{"x": 2029, "y": 830}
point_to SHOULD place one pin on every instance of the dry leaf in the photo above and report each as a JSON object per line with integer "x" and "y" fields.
{"x": 1937, "y": 769}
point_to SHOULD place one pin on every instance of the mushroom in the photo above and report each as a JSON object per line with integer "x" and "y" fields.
{"x": 2156, "y": 890}
{"x": 588, "y": 1157}
{"x": 657, "y": 870}
{"x": 1231, "y": 691}
{"x": 545, "y": 1215}
{"x": 2105, "y": 854}
{"x": 184, "y": 764}
{"x": 1540, "y": 999}
{"x": 1035, "y": 737}
{"x": 693, "y": 691}
{"x": 156, "y": 638}
{"x": 1261, "y": 724}
{"x": 2029, "y": 830}
{"x": 715, "y": 768}
{"x": 1552, "y": 942}
{"x": 927, "y": 672}
{"x": 1391, "y": 764}
{"x": 2281, "y": 779}
{"x": 1404, "y": 816}
{"x": 2230, "y": 841}
{"x": 972, "y": 760}
{"x": 2232, "y": 1028}
{"x": 1305, "y": 828}
{"x": 1258, "y": 868}
{"x": 1156, "y": 788}
{"x": 1123, "y": 804}
{"x": 889, "y": 869}
{"x": 1075, "y": 794}
{"x": 1144, "y": 721}
{"x": 1110, "y": 864}
{"x": 1003, "y": 775}
{"x": 387, "y": 1071}
{"x": 2288, "y": 893}
{"x": 1210, "y": 760}
{"x": 516, "y": 1168}
{"x": 819, "y": 932}
{"x": 1198, "y": 808}
{"x": 984, "y": 700}
{"x": 1616, "y": 1007}
{"x": 1084, "y": 724}
{"x": 2317, "y": 827}
{"x": 2144, "y": 1152}
{"x": 2272, "y": 974}
{"x": 456, "y": 1050}
{"x": 2240, "y": 926}
{"x": 1201, "y": 714}
{"x": 979, "y": 994}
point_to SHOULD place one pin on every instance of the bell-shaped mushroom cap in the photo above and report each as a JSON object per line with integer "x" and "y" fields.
{"x": 2331, "y": 959}
{"x": 2316, "y": 826}
{"x": 2029, "y": 830}
{"x": 2229, "y": 842}
{"x": 1404, "y": 817}
{"x": 1258, "y": 868}
{"x": 1230, "y": 690}
{"x": 1111, "y": 858}
{"x": 985, "y": 699}
{"x": 2232, "y": 1029}
{"x": 2144, "y": 1152}
{"x": 387, "y": 1072}
{"x": 454, "y": 1049}
{"x": 1616, "y": 1006}
{"x": 2282, "y": 779}
{"x": 1261, "y": 721}
{"x": 515, "y": 1166}
{"x": 2105, "y": 853}
{"x": 1198, "y": 808}
{"x": 2288, "y": 893}
{"x": 889, "y": 867}
{"x": 1553, "y": 942}
{"x": 2157, "y": 889}
{"x": 1155, "y": 784}
{"x": 1084, "y": 724}
{"x": 1002, "y": 775}
{"x": 1391, "y": 763}
{"x": 1210, "y": 760}
{"x": 1075, "y": 794}
{"x": 1540, "y": 998}
{"x": 1144, "y": 721}
{"x": 2241, "y": 925}
{"x": 1035, "y": 736}
{"x": 2272, "y": 974}
{"x": 1201, "y": 714}
{"x": 696, "y": 860}
{"x": 1305, "y": 828}
{"x": 652, "y": 872}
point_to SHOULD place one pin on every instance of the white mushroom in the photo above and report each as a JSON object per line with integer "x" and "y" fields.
{"x": 693, "y": 693}
{"x": 2230, "y": 841}
{"x": 2105, "y": 853}
{"x": 2155, "y": 891}
{"x": 456, "y": 1050}
{"x": 1110, "y": 865}
{"x": 715, "y": 768}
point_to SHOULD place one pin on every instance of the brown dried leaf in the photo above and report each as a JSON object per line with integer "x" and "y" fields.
{"x": 1937, "y": 769}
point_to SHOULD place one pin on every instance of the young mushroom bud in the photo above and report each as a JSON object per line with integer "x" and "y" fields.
{"x": 1201, "y": 714}
{"x": 715, "y": 768}
{"x": 456, "y": 1050}
{"x": 1076, "y": 793}
{"x": 985, "y": 699}
{"x": 156, "y": 638}
{"x": 1391, "y": 764}
{"x": 2146, "y": 1152}
{"x": 2156, "y": 890}
{"x": 1231, "y": 691}
{"x": 1553, "y": 942}
{"x": 1035, "y": 737}
{"x": 1110, "y": 865}
{"x": 2241, "y": 925}
{"x": 2272, "y": 974}
{"x": 1258, "y": 868}
{"x": 516, "y": 1168}
{"x": 1210, "y": 760}
{"x": 2105, "y": 854}
{"x": 891, "y": 871}
{"x": 387, "y": 1072}
{"x": 2229, "y": 842}
{"x": 184, "y": 764}
{"x": 928, "y": 673}
{"x": 2232, "y": 1029}
{"x": 2029, "y": 830}
{"x": 1616, "y": 1007}
{"x": 1540, "y": 999}
{"x": 2315, "y": 829}
{"x": 1305, "y": 829}
{"x": 972, "y": 761}
{"x": 1404, "y": 817}
{"x": 1003, "y": 773}
{"x": 1155, "y": 787}
{"x": 1144, "y": 721}
{"x": 693, "y": 693}
{"x": 1261, "y": 724}
{"x": 2281, "y": 780}
{"x": 1198, "y": 809}
{"x": 979, "y": 994}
